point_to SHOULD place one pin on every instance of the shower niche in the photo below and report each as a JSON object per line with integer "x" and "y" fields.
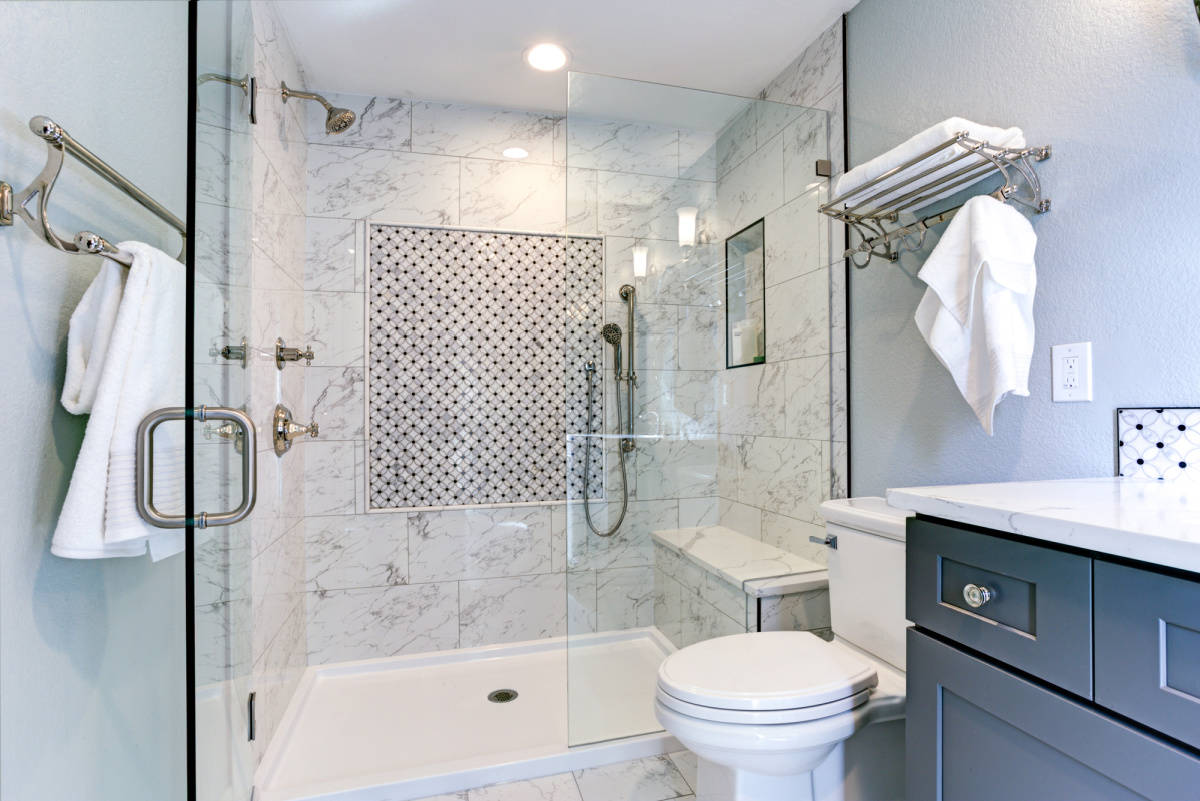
{"x": 746, "y": 296}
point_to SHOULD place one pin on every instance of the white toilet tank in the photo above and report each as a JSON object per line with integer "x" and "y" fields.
{"x": 866, "y": 575}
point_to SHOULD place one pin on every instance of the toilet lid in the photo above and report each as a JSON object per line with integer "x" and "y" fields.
{"x": 765, "y": 670}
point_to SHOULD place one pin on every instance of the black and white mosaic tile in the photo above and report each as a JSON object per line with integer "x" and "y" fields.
{"x": 476, "y": 342}
{"x": 1158, "y": 443}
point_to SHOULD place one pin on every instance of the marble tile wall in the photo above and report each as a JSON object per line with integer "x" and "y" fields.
{"x": 388, "y": 583}
{"x": 782, "y": 427}
{"x": 250, "y": 221}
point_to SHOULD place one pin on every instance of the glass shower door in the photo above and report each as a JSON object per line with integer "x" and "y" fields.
{"x": 222, "y": 646}
{"x": 664, "y": 175}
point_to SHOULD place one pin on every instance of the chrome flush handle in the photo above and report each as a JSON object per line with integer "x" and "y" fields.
{"x": 976, "y": 595}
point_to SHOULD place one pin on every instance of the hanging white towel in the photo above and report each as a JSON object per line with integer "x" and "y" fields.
{"x": 977, "y": 314}
{"x": 923, "y": 142}
{"x": 125, "y": 352}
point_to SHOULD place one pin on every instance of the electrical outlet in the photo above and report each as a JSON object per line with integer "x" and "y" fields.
{"x": 1071, "y": 372}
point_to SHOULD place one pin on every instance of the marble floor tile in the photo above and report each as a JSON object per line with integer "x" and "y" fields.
{"x": 560, "y": 787}
{"x": 650, "y": 779}
{"x": 685, "y": 761}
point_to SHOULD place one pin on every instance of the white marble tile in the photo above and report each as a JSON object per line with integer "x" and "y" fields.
{"x": 220, "y": 154}
{"x": 624, "y": 598}
{"x": 800, "y": 611}
{"x": 804, "y": 142}
{"x": 656, "y": 329}
{"x": 685, "y": 761}
{"x": 840, "y": 471}
{"x": 668, "y": 606}
{"x": 328, "y": 476}
{"x": 783, "y": 475}
{"x": 672, "y": 467}
{"x": 479, "y": 543}
{"x": 512, "y": 609}
{"x": 277, "y": 567}
{"x": 560, "y": 787}
{"x": 741, "y": 518}
{"x": 385, "y": 185}
{"x": 631, "y": 546}
{"x": 353, "y": 551}
{"x": 581, "y": 602}
{"x": 645, "y": 206}
{"x": 582, "y": 202}
{"x": 381, "y": 621}
{"x": 798, "y": 317}
{"x": 793, "y": 241}
{"x": 623, "y": 147}
{"x": 833, "y": 103}
{"x": 381, "y": 122}
{"x": 333, "y": 327}
{"x": 673, "y": 403}
{"x": 731, "y": 556}
{"x": 792, "y": 535}
{"x": 837, "y": 307}
{"x": 703, "y": 621}
{"x": 668, "y": 279}
{"x": 454, "y": 129}
{"x": 699, "y": 511}
{"x": 752, "y": 188}
{"x": 650, "y": 779}
{"x": 737, "y": 140}
{"x": 334, "y": 399}
{"x": 512, "y": 196}
{"x": 808, "y": 397}
{"x": 330, "y": 260}
{"x": 753, "y": 400}
{"x": 701, "y": 338}
{"x": 728, "y": 465}
{"x": 222, "y": 245}
{"x": 270, "y": 191}
{"x": 814, "y": 73}
{"x": 698, "y": 155}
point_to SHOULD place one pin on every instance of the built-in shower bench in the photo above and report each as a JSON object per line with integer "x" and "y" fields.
{"x": 711, "y": 580}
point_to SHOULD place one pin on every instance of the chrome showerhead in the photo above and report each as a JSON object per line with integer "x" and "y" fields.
{"x": 611, "y": 334}
{"x": 336, "y": 119}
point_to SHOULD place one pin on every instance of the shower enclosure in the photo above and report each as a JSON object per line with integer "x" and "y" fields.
{"x": 461, "y": 572}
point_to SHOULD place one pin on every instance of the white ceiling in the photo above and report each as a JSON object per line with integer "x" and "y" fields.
{"x": 470, "y": 50}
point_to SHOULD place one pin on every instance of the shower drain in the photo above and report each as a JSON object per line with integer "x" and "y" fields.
{"x": 502, "y": 696}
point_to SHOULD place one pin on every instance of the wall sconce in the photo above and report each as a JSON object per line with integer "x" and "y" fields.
{"x": 640, "y": 259}
{"x": 687, "y": 230}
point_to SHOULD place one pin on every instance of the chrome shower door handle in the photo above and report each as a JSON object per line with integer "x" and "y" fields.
{"x": 145, "y": 466}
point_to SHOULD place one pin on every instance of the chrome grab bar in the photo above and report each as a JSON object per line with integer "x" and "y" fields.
{"x": 145, "y": 466}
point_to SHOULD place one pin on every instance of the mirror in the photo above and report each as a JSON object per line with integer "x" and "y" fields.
{"x": 745, "y": 297}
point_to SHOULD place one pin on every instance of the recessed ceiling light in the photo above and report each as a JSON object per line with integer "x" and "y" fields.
{"x": 546, "y": 57}
{"x": 515, "y": 153}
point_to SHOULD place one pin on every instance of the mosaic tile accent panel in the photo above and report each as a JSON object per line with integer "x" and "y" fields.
{"x": 475, "y": 352}
{"x": 1159, "y": 443}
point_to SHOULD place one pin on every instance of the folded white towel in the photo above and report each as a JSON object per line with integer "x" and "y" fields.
{"x": 924, "y": 141}
{"x": 977, "y": 314}
{"x": 125, "y": 352}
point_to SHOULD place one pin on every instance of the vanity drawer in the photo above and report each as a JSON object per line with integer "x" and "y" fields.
{"x": 1148, "y": 648}
{"x": 1038, "y": 617}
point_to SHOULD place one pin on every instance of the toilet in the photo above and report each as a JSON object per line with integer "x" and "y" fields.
{"x": 788, "y": 716}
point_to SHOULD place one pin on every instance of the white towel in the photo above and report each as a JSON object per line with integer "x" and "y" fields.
{"x": 924, "y": 141}
{"x": 977, "y": 314}
{"x": 125, "y": 352}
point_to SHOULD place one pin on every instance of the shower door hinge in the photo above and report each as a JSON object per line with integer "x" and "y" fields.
{"x": 824, "y": 168}
{"x": 829, "y": 540}
{"x": 250, "y": 723}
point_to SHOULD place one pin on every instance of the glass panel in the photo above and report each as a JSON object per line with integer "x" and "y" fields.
{"x": 664, "y": 175}
{"x": 224, "y": 754}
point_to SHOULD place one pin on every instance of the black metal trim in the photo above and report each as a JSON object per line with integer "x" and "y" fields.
{"x": 189, "y": 372}
{"x": 846, "y": 261}
{"x": 763, "y": 222}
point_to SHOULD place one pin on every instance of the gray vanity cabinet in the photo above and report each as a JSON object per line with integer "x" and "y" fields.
{"x": 976, "y": 732}
{"x": 1037, "y": 673}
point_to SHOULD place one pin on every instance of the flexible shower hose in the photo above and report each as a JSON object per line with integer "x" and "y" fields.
{"x": 587, "y": 462}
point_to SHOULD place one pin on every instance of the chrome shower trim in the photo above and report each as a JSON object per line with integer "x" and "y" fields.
{"x": 337, "y": 119}
{"x": 627, "y": 293}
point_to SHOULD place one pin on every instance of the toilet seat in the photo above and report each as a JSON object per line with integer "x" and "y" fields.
{"x": 765, "y": 678}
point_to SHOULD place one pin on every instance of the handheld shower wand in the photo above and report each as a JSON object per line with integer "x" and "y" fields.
{"x": 611, "y": 333}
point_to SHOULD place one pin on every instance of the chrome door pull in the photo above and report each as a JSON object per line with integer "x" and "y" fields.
{"x": 145, "y": 466}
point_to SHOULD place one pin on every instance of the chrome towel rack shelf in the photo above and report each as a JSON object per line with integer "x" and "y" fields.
{"x": 59, "y": 143}
{"x": 874, "y": 209}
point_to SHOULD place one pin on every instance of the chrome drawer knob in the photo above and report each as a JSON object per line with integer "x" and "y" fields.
{"x": 976, "y": 596}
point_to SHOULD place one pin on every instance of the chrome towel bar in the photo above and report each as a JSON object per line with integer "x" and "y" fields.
{"x": 59, "y": 143}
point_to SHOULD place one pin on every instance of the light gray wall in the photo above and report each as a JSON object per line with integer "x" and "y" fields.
{"x": 1113, "y": 86}
{"x": 91, "y": 652}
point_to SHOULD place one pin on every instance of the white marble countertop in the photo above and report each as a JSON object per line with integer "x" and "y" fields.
{"x": 744, "y": 561}
{"x": 1151, "y": 521}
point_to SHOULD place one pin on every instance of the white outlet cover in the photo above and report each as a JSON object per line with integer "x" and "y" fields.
{"x": 1071, "y": 385}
